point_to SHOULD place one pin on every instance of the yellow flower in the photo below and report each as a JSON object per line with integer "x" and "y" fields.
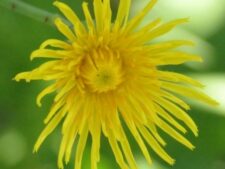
{"x": 108, "y": 73}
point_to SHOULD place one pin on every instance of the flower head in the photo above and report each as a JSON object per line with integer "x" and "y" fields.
{"x": 107, "y": 73}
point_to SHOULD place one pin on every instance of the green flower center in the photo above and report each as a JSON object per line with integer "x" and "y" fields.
{"x": 101, "y": 71}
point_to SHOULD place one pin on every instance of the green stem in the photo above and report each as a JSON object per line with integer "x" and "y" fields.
{"x": 30, "y": 11}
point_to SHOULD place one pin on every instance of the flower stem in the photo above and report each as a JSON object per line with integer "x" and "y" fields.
{"x": 30, "y": 11}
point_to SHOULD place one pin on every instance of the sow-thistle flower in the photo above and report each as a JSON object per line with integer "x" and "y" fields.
{"x": 108, "y": 73}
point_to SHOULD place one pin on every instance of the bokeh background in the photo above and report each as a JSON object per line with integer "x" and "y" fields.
{"x": 21, "y": 121}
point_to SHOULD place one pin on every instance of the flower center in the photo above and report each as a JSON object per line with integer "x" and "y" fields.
{"x": 101, "y": 71}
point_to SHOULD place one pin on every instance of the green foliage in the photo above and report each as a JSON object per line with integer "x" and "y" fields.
{"x": 21, "y": 120}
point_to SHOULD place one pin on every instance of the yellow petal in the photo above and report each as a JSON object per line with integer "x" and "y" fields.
{"x": 170, "y": 119}
{"x": 155, "y": 133}
{"x": 122, "y": 14}
{"x": 161, "y": 30}
{"x": 142, "y": 32}
{"x": 98, "y": 11}
{"x": 116, "y": 150}
{"x": 107, "y": 15}
{"x": 178, "y": 113}
{"x": 155, "y": 146}
{"x": 80, "y": 147}
{"x": 95, "y": 148}
{"x": 55, "y": 43}
{"x": 72, "y": 17}
{"x": 139, "y": 140}
{"x": 189, "y": 92}
{"x": 23, "y": 75}
{"x": 44, "y": 92}
{"x": 173, "y": 58}
{"x": 49, "y": 128}
{"x": 178, "y": 78}
{"x": 168, "y": 45}
{"x": 175, "y": 99}
{"x": 64, "y": 29}
{"x": 71, "y": 140}
{"x": 127, "y": 151}
{"x": 55, "y": 107}
{"x": 134, "y": 22}
{"x": 173, "y": 133}
{"x": 48, "y": 53}
{"x": 66, "y": 88}
{"x": 63, "y": 145}
{"x": 88, "y": 17}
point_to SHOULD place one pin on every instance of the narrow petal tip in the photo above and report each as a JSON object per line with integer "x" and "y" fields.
{"x": 60, "y": 165}
{"x": 33, "y": 55}
{"x": 38, "y": 102}
{"x": 46, "y": 120}
{"x": 14, "y": 79}
{"x": 184, "y": 20}
{"x": 172, "y": 162}
{"x": 57, "y": 3}
{"x": 58, "y": 22}
{"x": 17, "y": 78}
{"x": 216, "y": 103}
{"x": 35, "y": 150}
{"x": 190, "y": 43}
{"x": 192, "y": 148}
{"x": 196, "y": 133}
{"x": 20, "y": 76}
{"x": 200, "y": 59}
{"x": 197, "y": 58}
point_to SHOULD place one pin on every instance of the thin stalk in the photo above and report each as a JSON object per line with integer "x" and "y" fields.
{"x": 30, "y": 11}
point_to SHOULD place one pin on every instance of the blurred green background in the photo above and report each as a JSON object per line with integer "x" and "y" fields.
{"x": 21, "y": 120}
